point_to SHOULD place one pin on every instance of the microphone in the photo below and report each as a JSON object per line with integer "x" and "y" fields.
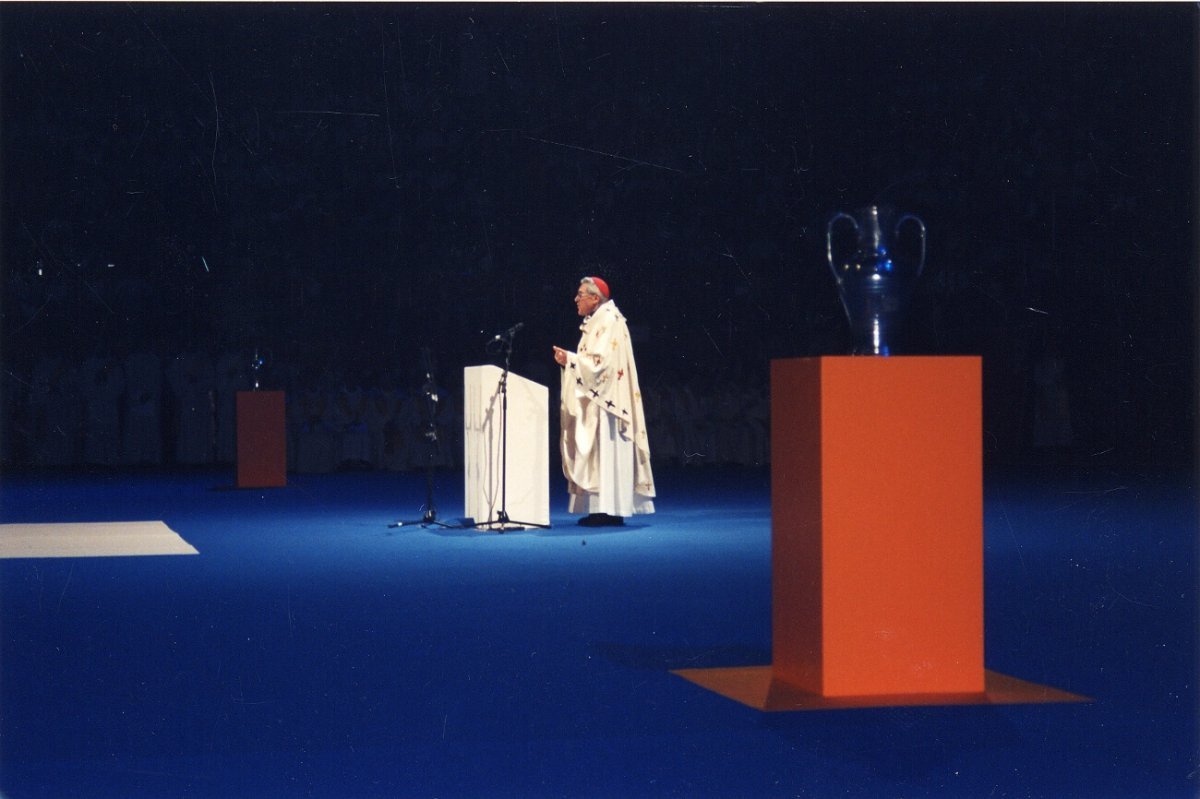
{"x": 507, "y": 334}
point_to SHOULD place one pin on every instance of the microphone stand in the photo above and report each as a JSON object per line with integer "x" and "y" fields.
{"x": 502, "y": 518}
{"x": 430, "y": 390}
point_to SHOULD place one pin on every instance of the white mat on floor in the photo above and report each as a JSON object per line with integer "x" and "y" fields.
{"x": 91, "y": 540}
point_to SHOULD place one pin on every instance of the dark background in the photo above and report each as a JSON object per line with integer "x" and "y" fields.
{"x": 344, "y": 184}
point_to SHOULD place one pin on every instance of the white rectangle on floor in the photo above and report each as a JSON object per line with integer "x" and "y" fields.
{"x": 91, "y": 540}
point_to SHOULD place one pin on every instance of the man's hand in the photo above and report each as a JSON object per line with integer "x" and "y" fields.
{"x": 560, "y": 356}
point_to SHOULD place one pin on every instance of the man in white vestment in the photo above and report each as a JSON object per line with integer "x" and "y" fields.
{"x": 605, "y": 450}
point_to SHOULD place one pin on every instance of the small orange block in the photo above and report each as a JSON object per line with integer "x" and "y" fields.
{"x": 261, "y": 439}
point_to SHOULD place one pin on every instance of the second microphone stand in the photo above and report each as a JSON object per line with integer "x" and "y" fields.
{"x": 432, "y": 448}
{"x": 502, "y": 517}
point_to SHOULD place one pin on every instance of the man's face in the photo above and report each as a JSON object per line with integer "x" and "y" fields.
{"x": 586, "y": 301}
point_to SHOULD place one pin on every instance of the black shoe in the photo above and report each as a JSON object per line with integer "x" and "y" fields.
{"x": 591, "y": 520}
{"x": 601, "y": 520}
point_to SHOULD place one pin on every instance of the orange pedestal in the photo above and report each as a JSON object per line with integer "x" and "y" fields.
{"x": 261, "y": 440}
{"x": 877, "y": 525}
{"x": 876, "y": 539}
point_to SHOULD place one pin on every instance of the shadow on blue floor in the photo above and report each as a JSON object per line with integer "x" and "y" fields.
{"x": 311, "y": 650}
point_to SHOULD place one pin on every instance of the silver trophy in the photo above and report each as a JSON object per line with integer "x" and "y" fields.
{"x": 873, "y": 284}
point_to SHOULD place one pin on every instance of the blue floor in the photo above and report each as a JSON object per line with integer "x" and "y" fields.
{"x": 311, "y": 650}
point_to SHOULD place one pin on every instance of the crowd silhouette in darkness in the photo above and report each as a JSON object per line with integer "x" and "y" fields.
{"x": 341, "y": 185}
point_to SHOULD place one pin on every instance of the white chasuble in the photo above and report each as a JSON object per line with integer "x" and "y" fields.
{"x": 605, "y": 450}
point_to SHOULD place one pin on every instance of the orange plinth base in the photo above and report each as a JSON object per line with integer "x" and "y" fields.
{"x": 876, "y": 539}
{"x": 757, "y": 687}
{"x": 261, "y": 440}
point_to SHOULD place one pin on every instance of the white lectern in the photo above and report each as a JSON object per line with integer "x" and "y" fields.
{"x": 522, "y": 489}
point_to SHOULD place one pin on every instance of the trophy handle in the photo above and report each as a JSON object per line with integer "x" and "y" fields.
{"x": 829, "y": 239}
{"x": 921, "y": 225}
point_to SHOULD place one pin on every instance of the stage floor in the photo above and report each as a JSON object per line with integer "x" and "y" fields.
{"x": 312, "y": 650}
